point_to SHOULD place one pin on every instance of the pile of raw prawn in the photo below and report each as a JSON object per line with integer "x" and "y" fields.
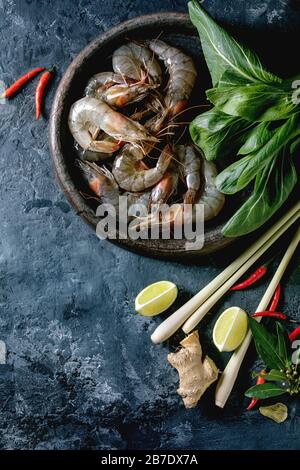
{"x": 107, "y": 128}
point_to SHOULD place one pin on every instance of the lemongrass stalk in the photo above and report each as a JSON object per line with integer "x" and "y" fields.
{"x": 200, "y": 313}
{"x": 231, "y": 371}
{"x": 168, "y": 327}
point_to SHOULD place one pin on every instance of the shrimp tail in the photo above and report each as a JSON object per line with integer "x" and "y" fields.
{"x": 107, "y": 174}
{"x": 97, "y": 178}
{"x": 86, "y": 168}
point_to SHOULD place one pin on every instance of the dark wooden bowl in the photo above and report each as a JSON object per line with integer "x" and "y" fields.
{"x": 176, "y": 29}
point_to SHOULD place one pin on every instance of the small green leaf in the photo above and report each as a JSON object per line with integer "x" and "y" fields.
{"x": 281, "y": 342}
{"x": 266, "y": 390}
{"x": 274, "y": 376}
{"x": 266, "y": 345}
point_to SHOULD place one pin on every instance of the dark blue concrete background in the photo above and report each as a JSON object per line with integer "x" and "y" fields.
{"x": 82, "y": 372}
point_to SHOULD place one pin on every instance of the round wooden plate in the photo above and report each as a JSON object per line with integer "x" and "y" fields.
{"x": 174, "y": 28}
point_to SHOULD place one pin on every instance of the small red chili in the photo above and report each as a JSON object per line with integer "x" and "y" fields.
{"x": 39, "y": 92}
{"x": 9, "y": 92}
{"x": 279, "y": 315}
{"x": 275, "y": 300}
{"x": 258, "y": 274}
{"x": 260, "y": 380}
{"x": 294, "y": 334}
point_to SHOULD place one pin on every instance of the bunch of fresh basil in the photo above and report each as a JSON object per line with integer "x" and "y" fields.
{"x": 254, "y": 117}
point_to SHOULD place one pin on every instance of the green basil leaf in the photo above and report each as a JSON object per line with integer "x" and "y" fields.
{"x": 255, "y": 102}
{"x": 266, "y": 390}
{"x": 218, "y": 134}
{"x": 266, "y": 345}
{"x": 222, "y": 52}
{"x": 275, "y": 376}
{"x": 258, "y": 137}
{"x": 281, "y": 138}
{"x": 273, "y": 185}
{"x": 227, "y": 180}
{"x": 281, "y": 342}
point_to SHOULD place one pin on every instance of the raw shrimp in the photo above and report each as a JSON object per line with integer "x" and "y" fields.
{"x": 136, "y": 61}
{"x": 103, "y": 184}
{"x": 90, "y": 113}
{"x": 211, "y": 198}
{"x": 132, "y": 178}
{"x": 116, "y": 90}
{"x": 190, "y": 169}
{"x": 182, "y": 74}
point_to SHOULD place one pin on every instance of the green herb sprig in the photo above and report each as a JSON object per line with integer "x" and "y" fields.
{"x": 275, "y": 351}
{"x": 254, "y": 116}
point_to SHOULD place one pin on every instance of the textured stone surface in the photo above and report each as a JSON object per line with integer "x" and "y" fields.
{"x": 81, "y": 371}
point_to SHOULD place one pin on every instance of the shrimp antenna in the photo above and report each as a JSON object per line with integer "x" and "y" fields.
{"x": 124, "y": 78}
{"x": 88, "y": 196}
{"x": 165, "y": 130}
{"x": 152, "y": 60}
{"x": 158, "y": 36}
{"x": 171, "y": 155}
{"x": 141, "y": 147}
{"x": 191, "y": 107}
{"x": 181, "y": 135}
{"x": 167, "y": 127}
{"x": 167, "y": 133}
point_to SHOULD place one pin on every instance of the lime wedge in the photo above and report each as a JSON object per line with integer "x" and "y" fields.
{"x": 230, "y": 329}
{"x": 156, "y": 298}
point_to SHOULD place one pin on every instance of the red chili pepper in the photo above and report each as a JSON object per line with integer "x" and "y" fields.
{"x": 267, "y": 313}
{"x": 9, "y": 92}
{"x": 294, "y": 334}
{"x": 275, "y": 300}
{"x": 260, "y": 380}
{"x": 39, "y": 92}
{"x": 258, "y": 274}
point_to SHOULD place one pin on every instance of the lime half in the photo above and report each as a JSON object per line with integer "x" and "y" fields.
{"x": 156, "y": 298}
{"x": 230, "y": 329}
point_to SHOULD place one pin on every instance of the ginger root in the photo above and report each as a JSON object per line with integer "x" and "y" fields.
{"x": 195, "y": 376}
